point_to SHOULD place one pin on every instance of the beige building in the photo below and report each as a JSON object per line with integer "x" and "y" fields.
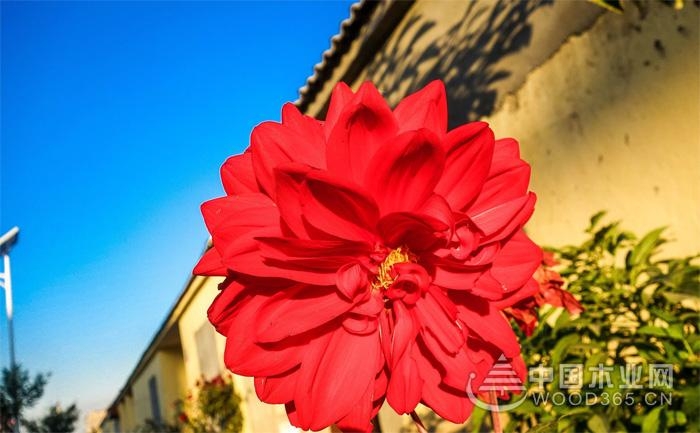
{"x": 606, "y": 108}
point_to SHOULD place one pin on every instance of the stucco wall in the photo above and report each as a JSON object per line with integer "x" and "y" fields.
{"x": 193, "y": 317}
{"x": 171, "y": 383}
{"x": 167, "y": 370}
{"x": 480, "y": 49}
{"x": 611, "y": 121}
{"x": 127, "y": 417}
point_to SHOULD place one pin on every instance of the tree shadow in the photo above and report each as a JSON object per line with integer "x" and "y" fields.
{"x": 466, "y": 57}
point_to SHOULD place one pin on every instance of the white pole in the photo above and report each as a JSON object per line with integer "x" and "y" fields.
{"x": 7, "y": 285}
{"x": 6, "y": 241}
{"x": 7, "y": 280}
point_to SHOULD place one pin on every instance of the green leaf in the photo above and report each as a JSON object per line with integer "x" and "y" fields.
{"x": 675, "y": 331}
{"x": 652, "y": 331}
{"x": 595, "y": 219}
{"x": 477, "y": 418}
{"x": 547, "y": 427}
{"x": 645, "y": 247}
{"x": 687, "y": 300}
{"x": 562, "y": 347}
{"x": 654, "y": 421}
{"x": 576, "y": 412}
{"x": 676, "y": 418}
{"x": 597, "y": 424}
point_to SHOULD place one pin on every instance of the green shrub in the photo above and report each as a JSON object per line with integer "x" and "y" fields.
{"x": 638, "y": 309}
{"x": 214, "y": 407}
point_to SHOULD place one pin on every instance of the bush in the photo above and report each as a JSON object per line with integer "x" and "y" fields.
{"x": 640, "y": 311}
{"x": 214, "y": 407}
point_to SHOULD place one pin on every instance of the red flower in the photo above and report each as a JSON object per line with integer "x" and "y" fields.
{"x": 551, "y": 292}
{"x": 364, "y": 255}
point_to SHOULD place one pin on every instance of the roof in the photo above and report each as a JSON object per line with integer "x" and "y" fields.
{"x": 349, "y": 29}
{"x": 383, "y": 15}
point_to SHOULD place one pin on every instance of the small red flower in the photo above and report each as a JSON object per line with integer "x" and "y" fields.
{"x": 364, "y": 257}
{"x": 551, "y": 292}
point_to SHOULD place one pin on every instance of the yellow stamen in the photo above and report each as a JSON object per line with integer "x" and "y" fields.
{"x": 384, "y": 278}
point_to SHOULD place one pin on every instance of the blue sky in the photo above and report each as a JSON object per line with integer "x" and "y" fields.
{"x": 115, "y": 120}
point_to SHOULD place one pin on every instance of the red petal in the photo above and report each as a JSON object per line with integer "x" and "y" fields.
{"x": 507, "y": 180}
{"x": 224, "y": 306}
{"x": 237, "y": 175}
{"x": 370, "y": 307}
{"x": 469, "y": 152}
{"x": 449, "y": 403}
{"x": 298, "y": 310}
{"x": 268, "y": 152}
{"x": 232, "y": 219}
{"x": 505, "y": 217}
{"x": 285, "y": 248}
{"x": 352, "y": 281}
{"x": 454, "y": 368}
{"x": 277, "y": 389}
{"x": 210, "y": 264}
{"x": 417, "y": 232}
{"x": 318, "y": 272}
{"x": 360, "y": 324}
{"x": 402, "y": 334}
{"x": 405, "y": 384}
{"x": 310, "y": 261}
{"x": 360, "y": 417}
{"x": 438, "y": 322}
{"x": 452, "y": 275}
{"x": 381, "y": 381}
{"x": 340, "y": 99}
{"x": 506, "y": 153}
{"x": 292, "y": 414}
{"x": 273, "y": 144}
{"x": 239, "y": 212}
{"x": 364, "y": 126}
{"x": 438, "y": 209}
{"x": 289, "y": 181}
{"x": 426, "y": 108}
{"x": 334, "y": 377}
{"x": 527, "y": 291}
{"x": 487, "y": 322}
{"x": 234, "y": 222}
{"x": 312, "y": 131}
{"x": 403, "y": 172}
{"x": 339, "y": 209}
{"x": 517, "y": 261}
{"x": 244, "y": 356}
{"x": 386, "y": 334}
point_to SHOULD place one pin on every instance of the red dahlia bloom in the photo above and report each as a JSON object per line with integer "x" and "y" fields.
{"x": 364, "y": 257}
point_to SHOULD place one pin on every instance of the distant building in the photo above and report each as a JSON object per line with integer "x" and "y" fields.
{"x": 93, "y": 420}
{"x": 605, "y": 107}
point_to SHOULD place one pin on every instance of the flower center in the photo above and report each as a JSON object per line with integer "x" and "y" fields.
{"x": 385, "y": 277}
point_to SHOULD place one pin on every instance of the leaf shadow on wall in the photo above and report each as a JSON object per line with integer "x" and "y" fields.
{"x": 466, "y": 57}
